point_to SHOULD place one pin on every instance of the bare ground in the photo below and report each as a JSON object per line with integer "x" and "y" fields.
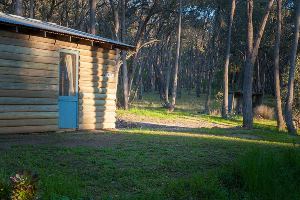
{"x": 102, "y": 139}
{"x": 134, "y": 121}
{"x": 65, "y": 139}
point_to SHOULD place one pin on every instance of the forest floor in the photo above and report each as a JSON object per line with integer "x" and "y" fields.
{"x": 160, "y": 155}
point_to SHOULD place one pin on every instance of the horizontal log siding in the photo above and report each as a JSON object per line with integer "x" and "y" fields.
{"x": 29, "y": 84}
{"x": 97, "y": 91}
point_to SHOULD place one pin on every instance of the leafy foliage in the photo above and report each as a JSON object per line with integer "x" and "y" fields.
{"x": 24, "y": 186}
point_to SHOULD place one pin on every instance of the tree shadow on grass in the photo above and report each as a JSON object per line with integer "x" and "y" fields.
{"x": 259, "y": 133}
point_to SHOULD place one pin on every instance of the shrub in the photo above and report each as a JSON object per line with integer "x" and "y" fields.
{"x": 215, "y": 112}
{"x": 297, "y": 119}
{"x": 264, "y": 112}
{"x": 24, "y": 186}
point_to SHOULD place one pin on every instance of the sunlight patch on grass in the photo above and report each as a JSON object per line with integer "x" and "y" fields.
{"x": 210, "y": 136}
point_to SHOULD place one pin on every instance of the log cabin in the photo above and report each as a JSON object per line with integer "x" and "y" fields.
{"x": 55, "y": 78}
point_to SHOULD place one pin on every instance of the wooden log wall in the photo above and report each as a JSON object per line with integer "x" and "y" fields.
{"x": 29, "y": 70}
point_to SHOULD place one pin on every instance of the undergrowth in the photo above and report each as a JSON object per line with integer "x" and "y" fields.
{"x": 258, "y": 174}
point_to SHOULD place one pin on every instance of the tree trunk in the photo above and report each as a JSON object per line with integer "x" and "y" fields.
{"x": 252, "y": 51}
{"x": 177, "y": 59}
{"x": 227, "y": 60}
{"x": 280, "y": 121}
{"x": 31, "y": 13}
{"x": 19, "y": 7}
{"x": 125, "y": 81}
{"x": 152, "y": 77}
{"x": 124, "y": 66}
{"x": 93, "y": 16}
{"x": 290, "y": 96}
{"x": 209, "y": 88}
{"x": 168, "y": 73}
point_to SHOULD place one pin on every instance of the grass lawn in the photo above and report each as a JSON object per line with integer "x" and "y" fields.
{"x": 158, "y": 164}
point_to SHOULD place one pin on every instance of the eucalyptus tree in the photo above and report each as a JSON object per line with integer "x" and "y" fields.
{"x": 251, "y": 56}
{"x": 291, "y": 84}
{"x": 19, "y": 7}
{"x": 177, "y": 59}
{"x": 227, "y": 59}
{"x": 32, "y": 5}
{"x": 279, "y": 115}
{"x": 93, "y": 6}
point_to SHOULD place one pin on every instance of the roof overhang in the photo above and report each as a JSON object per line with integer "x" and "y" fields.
{"x": 21, "y": 23}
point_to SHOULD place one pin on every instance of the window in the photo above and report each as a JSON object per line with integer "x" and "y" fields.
{"x": 67, "y": 78}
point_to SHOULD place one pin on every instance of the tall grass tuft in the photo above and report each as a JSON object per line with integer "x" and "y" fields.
{"x": 264, "y": 112}
{"x": 270, "y": 174}
{"x": 256, "y": 175}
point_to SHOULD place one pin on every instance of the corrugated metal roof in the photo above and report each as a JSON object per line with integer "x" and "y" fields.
{"x": 52, "y": 27}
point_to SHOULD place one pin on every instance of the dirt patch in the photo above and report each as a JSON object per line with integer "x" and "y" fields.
{"x": 64, "y": 139}
{"x": 134, "y": 121}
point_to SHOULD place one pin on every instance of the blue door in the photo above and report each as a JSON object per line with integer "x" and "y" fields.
{"x": 68, "y": 90}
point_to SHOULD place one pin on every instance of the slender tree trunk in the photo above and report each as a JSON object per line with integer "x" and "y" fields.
{"x": 248, "y": 71}
{"x": 290, "y": 96}
{"x": 227, "y": 60}
{"x": 280, "y": 121}
{"x": 31, "y": 13}
{"x": 19, "y": 7}
{"x": 177, "y": 60}
{"x": 152, "y": 77}
{"x": 209, "y": 91}
{"x": 124, "y": 53}
{"x": 211, "y": 60}
{"x": 93, "y": 16}
{"x": 252, "y": 51}
{"x": 168, "y": 73}
{"x": 125, "y": 81}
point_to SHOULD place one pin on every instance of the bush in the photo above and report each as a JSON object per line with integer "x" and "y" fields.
{"x": 215, "y": 112}
{"x": 264, "y": 112}
{"x": 23, "y": 186}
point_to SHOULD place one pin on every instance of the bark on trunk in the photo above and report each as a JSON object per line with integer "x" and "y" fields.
{"x": 280, "y": 121}
{"x": 125, "y": 81}
{"x": 209, "y": 90}
{"x": 227, "y": 60}
{"x": 31, "y": 12}
{"x": 168, "y": 73}
{"x": 93, "y": 16}
{"x": 252, "y": 51}
{"x": 290, "y": 96}
{"x": 124, "y": 66}
{"x": 19, "y": 7}
{"x": 177, "y": 60}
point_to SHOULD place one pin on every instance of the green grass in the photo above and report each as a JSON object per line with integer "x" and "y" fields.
{"x": 156, "y": 164}
{"x": 143, "y": 167}
{"x": 259, "y": 174}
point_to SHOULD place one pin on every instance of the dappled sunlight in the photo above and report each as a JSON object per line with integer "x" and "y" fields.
{"x": 241, "y": 138}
